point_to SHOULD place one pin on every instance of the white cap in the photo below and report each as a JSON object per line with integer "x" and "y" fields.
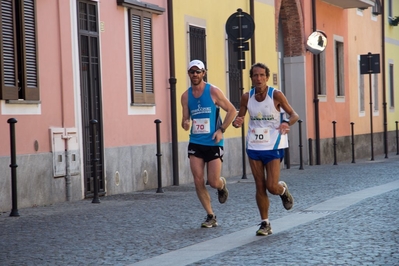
{"x": 196, "y": 63}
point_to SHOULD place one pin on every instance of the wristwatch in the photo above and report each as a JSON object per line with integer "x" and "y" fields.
{"x": 222, "y": 129}
{"x": 286, "y": 121}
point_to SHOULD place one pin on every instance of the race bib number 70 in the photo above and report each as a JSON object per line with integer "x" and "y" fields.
{"x": 201, "y": 126}
{"x": 259, "y": 135}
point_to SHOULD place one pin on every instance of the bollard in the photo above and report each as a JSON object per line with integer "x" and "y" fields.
{"x": 397, "y": 139}
{"x": 13, "y": 165}
{"x": 159, "y": 154}
{"x": 300, "y": 145}
{"x": 353, "y": 142}
{"x": 94, "y": 123}
{"x": 310, "y": 151}
{"x": 334, "y": 143}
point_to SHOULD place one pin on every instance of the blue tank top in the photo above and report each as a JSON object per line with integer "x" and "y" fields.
{"x": 204, "y": 117}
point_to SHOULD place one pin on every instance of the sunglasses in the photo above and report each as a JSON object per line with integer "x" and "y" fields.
{"x": 198, "y": 71}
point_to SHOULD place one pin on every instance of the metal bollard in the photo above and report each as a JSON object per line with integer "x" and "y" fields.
{"x": 13, "y": 165}
{"x": 94, "y": 123}
{"x": 310, "y": 151}
{"x": 300, "y": 145}
{"x": 159, "y": 154}
{"x": 334, "y": 143}
{"x": 353, "y": 142}
{"x": 397, "y": 139}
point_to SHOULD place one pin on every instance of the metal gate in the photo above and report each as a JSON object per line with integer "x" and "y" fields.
{"x": 90, "y": 95}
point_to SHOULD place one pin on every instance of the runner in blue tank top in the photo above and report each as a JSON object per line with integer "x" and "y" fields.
{"x": 266, "y": 140}
{"x": 200, "y": 105}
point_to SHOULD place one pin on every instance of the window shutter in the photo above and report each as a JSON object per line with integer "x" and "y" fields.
{"x": 148, "y": 66}
{"x": 8, "y": 51}
{"x": 141, "y": 57}
{"x": 29, "y": 49}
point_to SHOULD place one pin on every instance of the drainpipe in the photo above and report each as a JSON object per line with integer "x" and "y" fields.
{"x": 68, "y": 183}
{"x": 172, "y": 82}
{"x": 252, "y": 13}
{"x": 384, "y": 100}
{"x": 315, "y": 89}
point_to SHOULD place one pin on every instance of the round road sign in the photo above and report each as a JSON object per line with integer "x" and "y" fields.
{"x": 247, "y": 26}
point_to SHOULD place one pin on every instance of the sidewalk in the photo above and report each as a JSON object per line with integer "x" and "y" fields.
{"x": 126, "y": 229}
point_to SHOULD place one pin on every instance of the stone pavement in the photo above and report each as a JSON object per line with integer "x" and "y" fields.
{"x": 345, "y": 214}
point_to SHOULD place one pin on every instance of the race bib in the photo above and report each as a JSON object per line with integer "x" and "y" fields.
{"x": 201, "y": 126}
{"x": 259, "y": 135}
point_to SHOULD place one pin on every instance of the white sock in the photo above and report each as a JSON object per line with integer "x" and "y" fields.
{"x": 266, "y": 220}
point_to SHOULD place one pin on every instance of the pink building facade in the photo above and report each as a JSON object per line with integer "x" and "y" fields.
{"x": 86, "y": 82}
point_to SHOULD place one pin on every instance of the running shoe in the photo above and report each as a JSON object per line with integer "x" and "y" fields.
{"x": 264, "y": 229}
{"x": 288, "y": 200}
{"x": 223, "y": 193}
{"x": 210, "y": 221}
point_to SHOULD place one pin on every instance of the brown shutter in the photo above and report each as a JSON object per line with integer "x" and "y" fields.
{"x": 8, "y": 52}
{"x": 148, "y": 59}
{"x": 29, "y": 50}
{"x": 141, "y": 57}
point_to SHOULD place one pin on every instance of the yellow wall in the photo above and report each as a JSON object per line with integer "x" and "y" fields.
{"x": 212, "y": 15}
{"x": 392, "y": 56}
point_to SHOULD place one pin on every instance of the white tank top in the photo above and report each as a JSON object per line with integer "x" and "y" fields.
{"x": 263, "y": 123}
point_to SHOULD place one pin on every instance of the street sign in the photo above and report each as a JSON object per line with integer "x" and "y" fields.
{"x": 369, "y": 63}
{"x": 240, "y": 27}
{"x": 233, "y": 28}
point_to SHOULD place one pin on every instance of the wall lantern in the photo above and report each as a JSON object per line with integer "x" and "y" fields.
{"x": 393, "y": 21}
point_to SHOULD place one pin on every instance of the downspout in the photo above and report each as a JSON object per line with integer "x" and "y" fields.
{"x": 172, "y": 82}
{"x": 384, "y": 102}
{"x": 315, "y": 89}
{"x": 68, "y": 183}
{"x": 252, "y": 13}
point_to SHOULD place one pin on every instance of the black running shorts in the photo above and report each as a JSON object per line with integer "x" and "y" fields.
{"x": 207, "y": 153}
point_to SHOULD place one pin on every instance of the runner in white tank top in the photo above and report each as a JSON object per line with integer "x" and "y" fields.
{"x": 265, "y": 119}
{"x": 266, "y": 140}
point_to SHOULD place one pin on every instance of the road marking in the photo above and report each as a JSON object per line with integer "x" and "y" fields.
{"x": 224, "y": 243}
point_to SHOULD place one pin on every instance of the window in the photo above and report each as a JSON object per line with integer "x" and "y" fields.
{"x": 391, "y": 87}
{"x": 234, "y": 76}
{"x": 141, "y": 49}
{"x": 141, "y": 57}
{"x": 198, "y": 44}
{"x": 322, "y": 74}
{"x": 18, "y": 49}
{"x": 339, "y": 68}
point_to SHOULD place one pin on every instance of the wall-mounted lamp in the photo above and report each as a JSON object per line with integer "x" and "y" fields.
{"x": 393, "y": 21}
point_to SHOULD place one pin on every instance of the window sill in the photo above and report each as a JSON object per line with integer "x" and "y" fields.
{"x": 143, "y": 104}
{"x": 21, "y": 101}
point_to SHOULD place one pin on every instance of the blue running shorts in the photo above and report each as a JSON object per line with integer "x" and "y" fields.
{"x": 266, "y": 156}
